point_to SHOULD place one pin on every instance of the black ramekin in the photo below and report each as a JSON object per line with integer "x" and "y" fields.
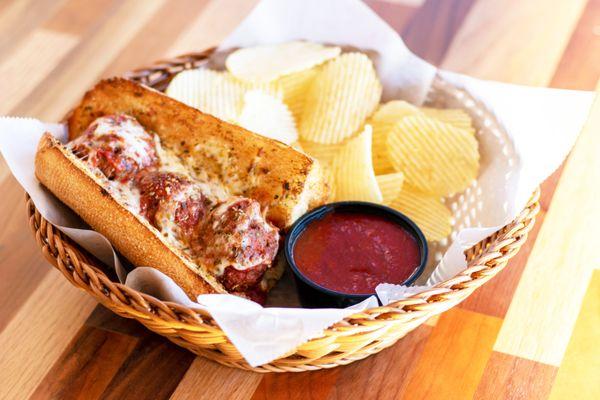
{"x": 313, "y": 295}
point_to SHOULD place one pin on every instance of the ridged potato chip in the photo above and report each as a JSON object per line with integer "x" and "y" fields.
{"x": 271, "y": 88}
{"x": 325, "y": 154}
{"x": 353, "y": 175}
{"x": 294, "y": 88}
{"x": 340, "y": 98}
{"x": 290, "y": 88}
{"x": 269, "y": 62}
{"x": 381, "y": 160}
{"x": 436, "y": 158}
{"x": 382, "y": 122}
{"x": 390, "y": 186}
{"x": 453, "y": 116}
{"x": 209, "y": 91}
{"x": 394, "y": 110}
{"x": 428, "y": 212}
{"x": 322, "y": 152}
{"x": 267, "y": 116}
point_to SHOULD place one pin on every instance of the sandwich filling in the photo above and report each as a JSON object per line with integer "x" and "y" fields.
{"x": 228, "y": 235}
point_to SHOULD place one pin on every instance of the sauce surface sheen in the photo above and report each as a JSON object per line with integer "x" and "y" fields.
{"x": 353, "y": 252}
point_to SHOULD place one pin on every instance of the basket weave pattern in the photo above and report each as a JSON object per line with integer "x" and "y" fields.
{"x": 354, "y": 338}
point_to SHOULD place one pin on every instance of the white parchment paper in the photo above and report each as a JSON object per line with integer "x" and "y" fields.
{"x": 525, "y": 117}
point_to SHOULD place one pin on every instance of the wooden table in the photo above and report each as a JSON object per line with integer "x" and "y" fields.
{"x": 531, "y": 333}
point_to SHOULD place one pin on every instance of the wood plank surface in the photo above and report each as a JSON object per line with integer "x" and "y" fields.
{"x": 88, "y": 60}
{"x": 543, "y": 337}
{"x": 22, "y": 269}
{"x": 388, "y": 371}
{"x": 208, "y": 380}
{"x": 152, "y": 370}
{"x": 583, "y": 50}
{"x": 528, "y": 334}
{"x": 498, "y": 38}
{"x": 36, "y": 336}
{"x": 31, "y": 62}
{"x": 509, "y": 377}
{"x": 432, "y": 29}
{"x": 441, "y": 370}
{"x": 19, "y": 18}
{"x": 580, "y": 368}
{"x": 87, "y": 365}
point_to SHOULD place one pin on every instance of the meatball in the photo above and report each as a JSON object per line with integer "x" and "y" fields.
{"x": 172, "y": 203}
{"x": 237, "y": 240}
{"x": 255, "y": 293}
{"x": 236, "y": 280}
{"x": 117, "y": 145}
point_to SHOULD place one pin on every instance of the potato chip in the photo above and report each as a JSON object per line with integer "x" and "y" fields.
{"x": 382, "y": 122}
{"x": 436, "y": 158}
{"x": 328, "y": 176}
{"x": 267, "y": 116}
{"x": 272, "y": 88}
{"x": 289, "y": 88}
{"x": 322, "y": 152}
{"x": 428, "y": 212}
{"x": 269, "y": 62}
{"x": 394, "y": 110}
{"x": 353, "y": 175}
{"x": 390, "y": 185}
{"x": 344, "y": 92}
{"x": 381, "y": 161}
{"x": 209, "y": 91}
{"x": 294, "y": 88}
{"x": 453, "y": 116}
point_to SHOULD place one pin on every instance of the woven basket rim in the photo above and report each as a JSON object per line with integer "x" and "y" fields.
{"x": 484, "y": 260}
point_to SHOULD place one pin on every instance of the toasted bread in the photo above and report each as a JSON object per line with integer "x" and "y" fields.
{"x": 284, "y": 181}
{"x": 76, "y": 186}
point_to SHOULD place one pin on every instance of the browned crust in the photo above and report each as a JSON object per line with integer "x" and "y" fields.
{"x": 285, "y": 181}
{"x": 74, "y": 184}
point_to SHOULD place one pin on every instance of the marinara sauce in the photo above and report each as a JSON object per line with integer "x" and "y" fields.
{"x": 352, "y": 253}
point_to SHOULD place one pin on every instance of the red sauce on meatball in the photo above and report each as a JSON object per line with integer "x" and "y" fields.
{"x": 175, "y": 194}
{"x": 236, "y": 280}
{"x": 118, "y": 146}
{"x": 236, "y": 233}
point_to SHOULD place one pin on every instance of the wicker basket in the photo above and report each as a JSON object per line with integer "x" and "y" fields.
{"x": 354, "y": 338}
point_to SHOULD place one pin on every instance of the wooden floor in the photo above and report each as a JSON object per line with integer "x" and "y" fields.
{"x": 531, "y": 333}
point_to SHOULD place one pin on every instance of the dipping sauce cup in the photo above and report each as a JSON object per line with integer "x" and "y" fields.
{"x": 340, "y": 252}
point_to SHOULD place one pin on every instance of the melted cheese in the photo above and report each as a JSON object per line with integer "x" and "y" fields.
{"x": 134, "y": 144}
{"x": 252, "y": 218}
{"x": 170, "y": 162}
{"x": 165, "y": 216}
{"x": 134, "y": 137}
{"x": 126, "y": 194}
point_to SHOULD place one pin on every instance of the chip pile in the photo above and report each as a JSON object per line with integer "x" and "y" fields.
{"x": 327, "y": 104}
